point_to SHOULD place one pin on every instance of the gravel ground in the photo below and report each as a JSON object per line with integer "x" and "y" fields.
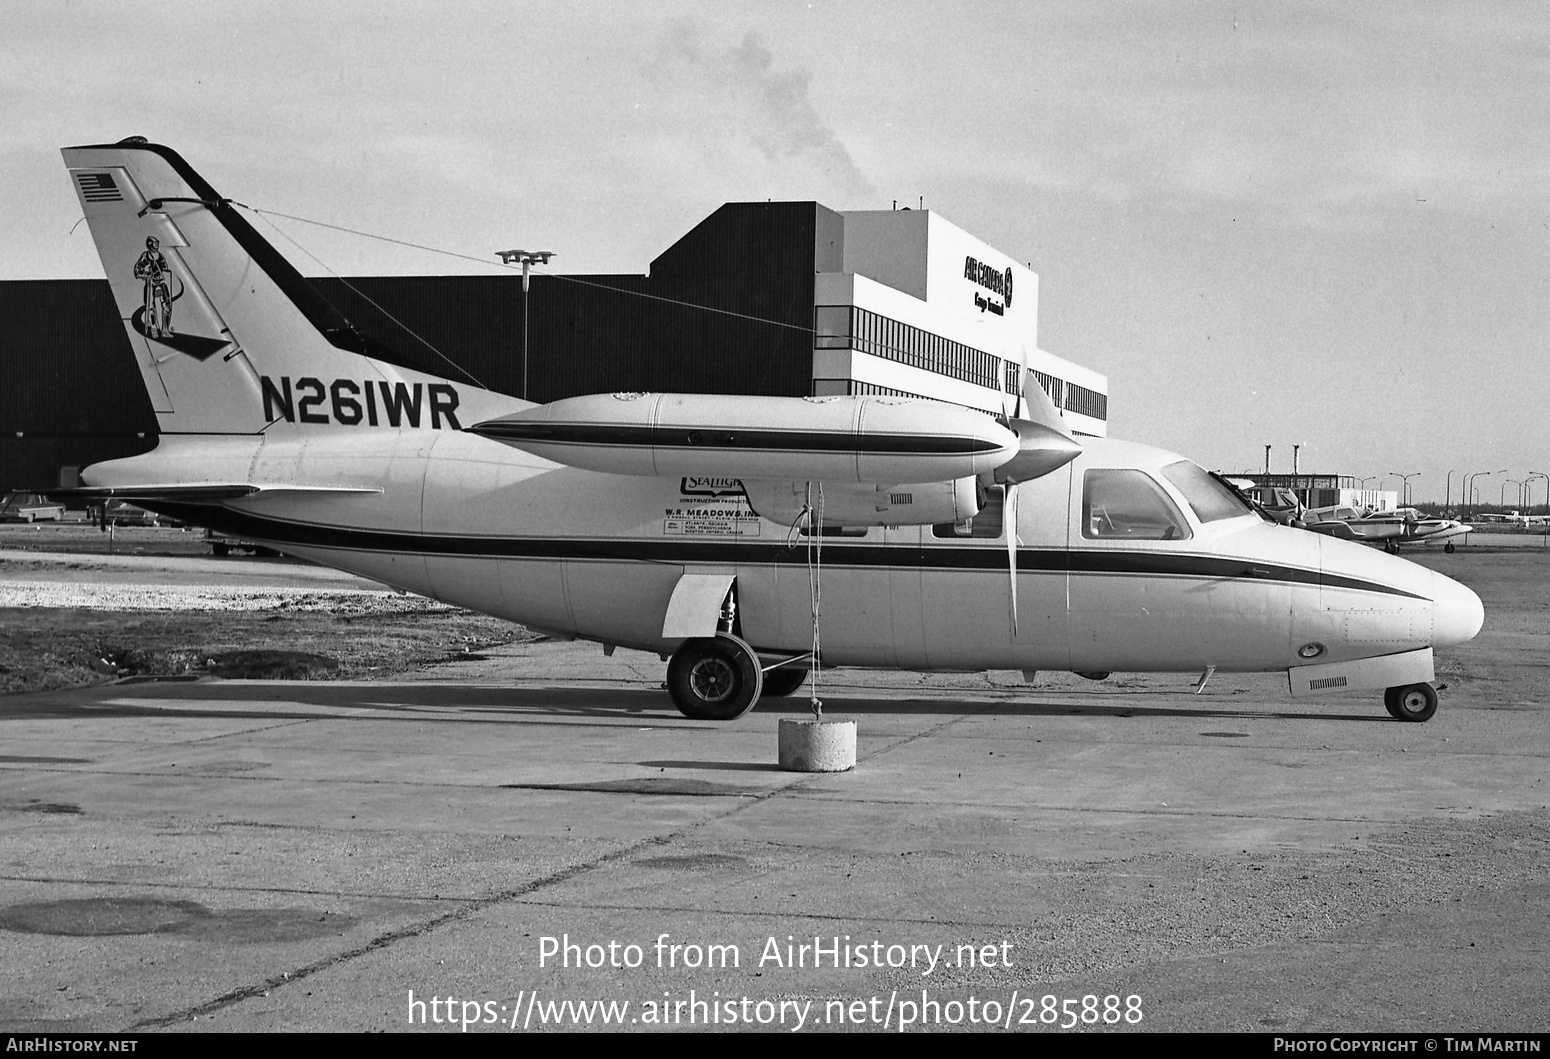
{"x": 169, "y": 582}
{"x": 142, "y": 596}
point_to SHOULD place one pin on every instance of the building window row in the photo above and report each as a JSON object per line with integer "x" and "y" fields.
{"x": 1082, "y": 401}
{"x": 871, "y": 389}
{"x": 850, "y": 327}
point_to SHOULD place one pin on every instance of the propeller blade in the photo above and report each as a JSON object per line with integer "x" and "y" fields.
{"x": 1039, "y": 408}
{"x": 1009, "y": 518}
{"x": 1022, "y": 380}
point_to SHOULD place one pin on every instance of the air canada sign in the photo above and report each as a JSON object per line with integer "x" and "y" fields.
{"x": 997, "y": 281}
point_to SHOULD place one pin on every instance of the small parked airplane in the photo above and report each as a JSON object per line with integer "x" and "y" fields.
{"x": 1275, "y": 503}
{"x": 1392, "y": 529}
{"x": 1513, "y": 518}
{"x": 705, "y": 528}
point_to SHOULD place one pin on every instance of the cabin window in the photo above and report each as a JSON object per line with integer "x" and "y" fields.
{"x": 1128, "y": 505}
{"x": 986, "y": 525}
{"x": 1208, "y": 497}
{"x": 831, "y": 530}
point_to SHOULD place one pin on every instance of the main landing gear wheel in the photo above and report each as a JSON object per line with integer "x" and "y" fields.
{"x": 784, "y": 681}
{"x": 1450, "y": 548}
{"x": 1411, "y": 702}
{"x": 714, "y": 678}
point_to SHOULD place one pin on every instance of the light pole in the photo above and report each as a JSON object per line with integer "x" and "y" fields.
{"x": 1502, "y": 502}
{"x": 1404, "y": 486}
{"x": 1469, "y": 486}
{"x": 1467, "y": 501}
{"x": 1539, "y": 474}
{"x": 529, "y": 258}
{"x": 1447, "y": 496}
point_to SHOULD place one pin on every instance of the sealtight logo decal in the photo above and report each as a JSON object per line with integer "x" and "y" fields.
{"x": 711, "y": 487}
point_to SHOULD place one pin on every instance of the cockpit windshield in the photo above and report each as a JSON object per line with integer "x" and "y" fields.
{"x": 1210, "y": 498}
{"x": 1125, "y": 504}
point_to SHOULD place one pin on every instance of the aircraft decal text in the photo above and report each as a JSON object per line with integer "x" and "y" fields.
{"x": 716, "y": 487}
{"x": 711, "y": 507}
{"x": 368, "y": 402}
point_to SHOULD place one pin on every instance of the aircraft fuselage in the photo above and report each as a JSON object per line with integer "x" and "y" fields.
{"x": 597, "y": 556}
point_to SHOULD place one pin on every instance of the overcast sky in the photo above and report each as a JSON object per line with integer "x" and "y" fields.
{"x": 1268, "y": 223}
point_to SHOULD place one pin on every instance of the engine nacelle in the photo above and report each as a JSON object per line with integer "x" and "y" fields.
{"x": 867, "y": 504}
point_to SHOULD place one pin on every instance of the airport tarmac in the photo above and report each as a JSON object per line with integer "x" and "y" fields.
{"x": 258, "y": 855}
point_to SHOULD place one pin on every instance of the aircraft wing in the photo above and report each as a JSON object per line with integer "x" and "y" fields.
{"x": 1334, "y": 528}
{"x": 842, "y": 438}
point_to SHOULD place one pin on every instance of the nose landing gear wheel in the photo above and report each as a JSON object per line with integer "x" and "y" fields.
{"x": 714, "y": 678}
{"x": 1411, "y": 702}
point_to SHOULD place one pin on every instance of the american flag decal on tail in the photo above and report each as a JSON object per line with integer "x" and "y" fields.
{"x": 98, "y": 187}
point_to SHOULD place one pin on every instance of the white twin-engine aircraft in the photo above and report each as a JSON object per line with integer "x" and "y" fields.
{"x": 689, "y": 525}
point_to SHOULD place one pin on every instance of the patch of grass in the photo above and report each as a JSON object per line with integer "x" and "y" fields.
{"x": 42, "y": 649}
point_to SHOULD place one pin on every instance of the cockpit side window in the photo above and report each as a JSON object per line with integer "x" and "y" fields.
{"x": 1128, "y": 505}
{"x": 985, "y": 525}
{"x": 1209, "y": 497}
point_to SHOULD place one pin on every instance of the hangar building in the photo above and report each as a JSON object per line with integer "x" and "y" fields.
{"x": 784, "y": 299}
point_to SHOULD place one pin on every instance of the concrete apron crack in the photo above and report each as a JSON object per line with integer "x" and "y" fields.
{"x": 469, "y": 909}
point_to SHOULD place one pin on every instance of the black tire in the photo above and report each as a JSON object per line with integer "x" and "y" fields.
{"x": 714, "y": 679}
{"x": 1411, "y": 702}
{"x": 220, "y": 549}
{"x": 784, "y": 681}
{"x": 1450, "y": 548}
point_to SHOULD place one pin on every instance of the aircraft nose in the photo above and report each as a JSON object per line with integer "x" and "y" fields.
{"x": 1457, "y": 613}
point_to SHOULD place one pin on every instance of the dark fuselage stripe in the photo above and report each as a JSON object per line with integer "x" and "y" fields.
{"x": 747, "y": 553}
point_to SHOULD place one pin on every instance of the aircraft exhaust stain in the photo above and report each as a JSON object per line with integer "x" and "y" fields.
{"x": 693, "y": 861}
{"x": 666, "y": 786}
{"x": 36, "y": 806}
{"x": 26, "y": 759}
{"x": 107, "y": 916}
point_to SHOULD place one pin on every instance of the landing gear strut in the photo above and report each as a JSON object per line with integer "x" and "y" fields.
{"x": 1411, "y": 702}
{"x": 714, "y": 678}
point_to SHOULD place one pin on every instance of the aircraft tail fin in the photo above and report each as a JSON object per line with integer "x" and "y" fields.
{"x": 229, "y": 337}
